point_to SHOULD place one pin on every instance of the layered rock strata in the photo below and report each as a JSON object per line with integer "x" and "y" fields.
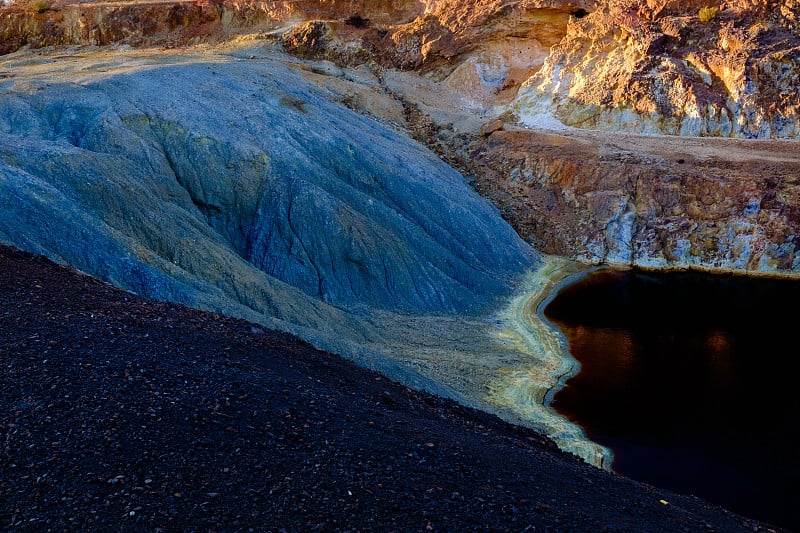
{"x": 678, "y": 67}
{"x": 656, "y": 202}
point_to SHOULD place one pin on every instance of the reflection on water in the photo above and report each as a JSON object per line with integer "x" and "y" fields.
{"x": 689, "y": 379}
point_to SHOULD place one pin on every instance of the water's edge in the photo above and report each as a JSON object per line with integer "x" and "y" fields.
{"x": 529, "y": 391}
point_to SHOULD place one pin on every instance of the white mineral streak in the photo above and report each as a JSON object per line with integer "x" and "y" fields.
{"x": 529, "y": 391}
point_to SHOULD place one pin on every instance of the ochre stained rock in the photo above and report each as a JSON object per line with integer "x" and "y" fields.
{"x": 679, "y": 68}
{"x": 648, "y": 201}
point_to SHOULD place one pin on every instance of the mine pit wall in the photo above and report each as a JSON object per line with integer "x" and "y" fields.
{"x": 578, "y": 200}
{"x": 166, "y": 24}
{"x": 406, "y": 34}
{"x": 45, "y": 23}
{"x": 667, "y": 69}
{"x": 595, "y": 203}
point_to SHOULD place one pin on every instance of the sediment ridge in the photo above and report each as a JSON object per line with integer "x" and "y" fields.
{"x": 528, "y": 388}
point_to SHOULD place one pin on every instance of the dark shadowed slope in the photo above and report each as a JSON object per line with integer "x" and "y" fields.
{"x": 119, "y": 414}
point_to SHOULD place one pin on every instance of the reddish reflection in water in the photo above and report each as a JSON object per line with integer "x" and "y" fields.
{"x": 689, "y": 379}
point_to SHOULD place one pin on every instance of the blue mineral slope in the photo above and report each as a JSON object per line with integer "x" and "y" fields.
{"x": 228, "y": 182}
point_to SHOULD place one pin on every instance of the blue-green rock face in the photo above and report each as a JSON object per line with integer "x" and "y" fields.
{"x": 238, "y": 182}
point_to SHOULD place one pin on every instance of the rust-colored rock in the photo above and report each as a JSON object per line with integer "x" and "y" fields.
{"x": 675, "y": 67}
{"x": 648, "y": 201}
{"x": 492, "y": 126}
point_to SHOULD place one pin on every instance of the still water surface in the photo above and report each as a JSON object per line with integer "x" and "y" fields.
{"x": 690, "y": 379}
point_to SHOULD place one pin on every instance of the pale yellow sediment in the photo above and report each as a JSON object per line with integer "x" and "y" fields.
{"x": 529, "y": 390}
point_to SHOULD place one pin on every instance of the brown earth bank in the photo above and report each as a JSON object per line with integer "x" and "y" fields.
{"x": 403, "y": 33}
{"x": 646, "y": 200}
{"x": 120, "y": 414}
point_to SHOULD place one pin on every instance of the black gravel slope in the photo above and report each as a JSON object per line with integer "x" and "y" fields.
{"x": 118, "y": 414}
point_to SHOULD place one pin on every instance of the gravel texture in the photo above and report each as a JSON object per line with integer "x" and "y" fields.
{"x": 120, "y": 414}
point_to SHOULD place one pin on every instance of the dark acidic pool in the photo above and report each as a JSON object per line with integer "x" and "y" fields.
{"x": 690, "y": 379}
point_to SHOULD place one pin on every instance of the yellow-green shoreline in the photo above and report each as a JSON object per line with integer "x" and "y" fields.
{"x": 528, "y": 391}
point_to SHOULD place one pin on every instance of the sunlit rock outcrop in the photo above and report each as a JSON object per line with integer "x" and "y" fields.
{"x": 41, "y": 23}
{"x": 679, "y": 67}
{"x": 484, "y": 49}
{"x": 509, "y": 38}
{"x": 674, "y": 67}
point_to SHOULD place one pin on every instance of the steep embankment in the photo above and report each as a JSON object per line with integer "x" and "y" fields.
{"x": 40, "y": 23}
{"x": 222, "y": 179}
{"x": 652, "y": 201}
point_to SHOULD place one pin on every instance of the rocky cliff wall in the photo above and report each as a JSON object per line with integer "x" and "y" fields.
{"x": 494, "y": 45}
{"x": 679, "y": 68}
{"x": 728, "y": 206}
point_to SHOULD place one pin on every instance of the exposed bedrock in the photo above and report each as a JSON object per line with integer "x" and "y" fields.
{"x": 171, "y": 180}
{"x": 41, "y": 23}
{"x": 678, "y": 67}
{"x": 485, "y": 48}
{"x": 674, "y": 67}
{"x": 650, "y": 201}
